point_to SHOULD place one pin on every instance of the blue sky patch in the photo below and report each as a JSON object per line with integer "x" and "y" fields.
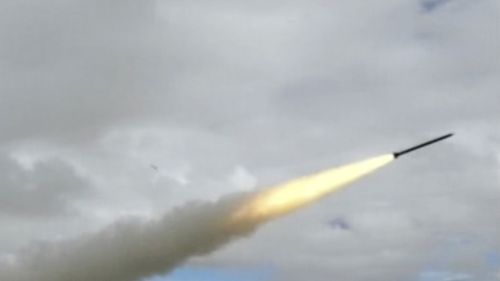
{"x": 202, "y": 273}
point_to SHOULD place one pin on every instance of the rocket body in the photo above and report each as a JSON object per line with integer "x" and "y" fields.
{"x": 418, "y": 146}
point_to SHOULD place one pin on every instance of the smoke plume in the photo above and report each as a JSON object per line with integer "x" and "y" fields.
{"x": 130, "y": 251}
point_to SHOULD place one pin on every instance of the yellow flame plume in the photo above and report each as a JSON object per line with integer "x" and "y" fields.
{"x": 285, "y": 198}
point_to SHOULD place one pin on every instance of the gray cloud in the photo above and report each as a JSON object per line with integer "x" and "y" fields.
{"x": 47, "y": 189}
{"x": 281, "y": 88}
{"x": 431, "y": 5}
{"x": 62, "y": 75}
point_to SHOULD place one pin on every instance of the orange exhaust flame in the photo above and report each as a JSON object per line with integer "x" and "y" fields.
{"x": 285, "y": 198}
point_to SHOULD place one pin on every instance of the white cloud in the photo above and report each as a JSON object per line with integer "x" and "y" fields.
{"x": 242, "y": 179}
{"x": 209, "y": 92}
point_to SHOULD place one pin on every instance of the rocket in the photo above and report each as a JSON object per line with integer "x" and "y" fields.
{"x": 418, "y": 146}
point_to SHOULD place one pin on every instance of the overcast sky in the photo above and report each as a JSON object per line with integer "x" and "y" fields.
{"x": 111, "y": 109}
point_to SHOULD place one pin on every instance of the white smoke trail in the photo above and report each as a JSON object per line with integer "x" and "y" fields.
{"x": 130, "y": 251}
